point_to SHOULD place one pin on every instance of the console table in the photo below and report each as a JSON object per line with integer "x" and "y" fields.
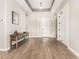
{"x": 17, "y": 39}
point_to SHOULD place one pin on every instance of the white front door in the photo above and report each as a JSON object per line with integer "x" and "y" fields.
{"x": 45, "y": 28}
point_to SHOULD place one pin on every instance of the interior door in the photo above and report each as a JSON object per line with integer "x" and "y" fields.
{"x": 63, "y": 25}
{"x": 60, "y": 28}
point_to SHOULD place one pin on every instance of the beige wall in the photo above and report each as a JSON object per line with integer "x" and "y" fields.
{"x": 74, "y": 25}
{"x": 8, "y": 28}
{"x": 2, "y": 25}
{"x": 41, "y": 24}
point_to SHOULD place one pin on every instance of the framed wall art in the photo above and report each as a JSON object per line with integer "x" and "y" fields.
{"x": 15, "y": 18}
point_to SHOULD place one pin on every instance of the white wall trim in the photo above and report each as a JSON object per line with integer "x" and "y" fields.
{"x": 42, "y": 36}
{"x": 73, "y": 51}
{"x": 5, "y": 50}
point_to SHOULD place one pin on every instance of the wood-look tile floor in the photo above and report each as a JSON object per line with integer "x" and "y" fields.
{"x": 40, "y": 48}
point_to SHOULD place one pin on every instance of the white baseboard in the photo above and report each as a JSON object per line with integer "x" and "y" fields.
{"x": 42, "y": 36}
{"x": 5, "y": 50}
{"x": 73, "y": 51}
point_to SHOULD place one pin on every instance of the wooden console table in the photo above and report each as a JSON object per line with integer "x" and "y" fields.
{"x": 16, "y": 39}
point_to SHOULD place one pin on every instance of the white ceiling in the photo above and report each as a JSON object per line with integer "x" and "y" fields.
{"x": 25, "y": 6}
{"x": 35, "y": 4}
{"x": 58, "y": 4}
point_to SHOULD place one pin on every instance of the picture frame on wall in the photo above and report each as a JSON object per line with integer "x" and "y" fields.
{"x": 15, "y": 18}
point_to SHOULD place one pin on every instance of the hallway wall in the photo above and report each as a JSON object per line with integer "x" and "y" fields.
{"x": 74, "y": 25}
{"x": 2, "y": 25}
{"x": 11, "y": 5}
{"x": 41, "y": 24}
{"x": 73, "y": 41}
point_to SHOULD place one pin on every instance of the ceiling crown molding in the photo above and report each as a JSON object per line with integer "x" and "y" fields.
{"x": 38, "y": 9}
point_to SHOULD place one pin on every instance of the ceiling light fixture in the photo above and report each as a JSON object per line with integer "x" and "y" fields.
{"x": 40, "y": 4}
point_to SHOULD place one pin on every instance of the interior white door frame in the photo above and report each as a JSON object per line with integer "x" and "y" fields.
{"x": 63, "y": 25}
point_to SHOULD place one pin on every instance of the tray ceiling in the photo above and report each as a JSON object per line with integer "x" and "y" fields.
{"x": 40, "y": 5}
